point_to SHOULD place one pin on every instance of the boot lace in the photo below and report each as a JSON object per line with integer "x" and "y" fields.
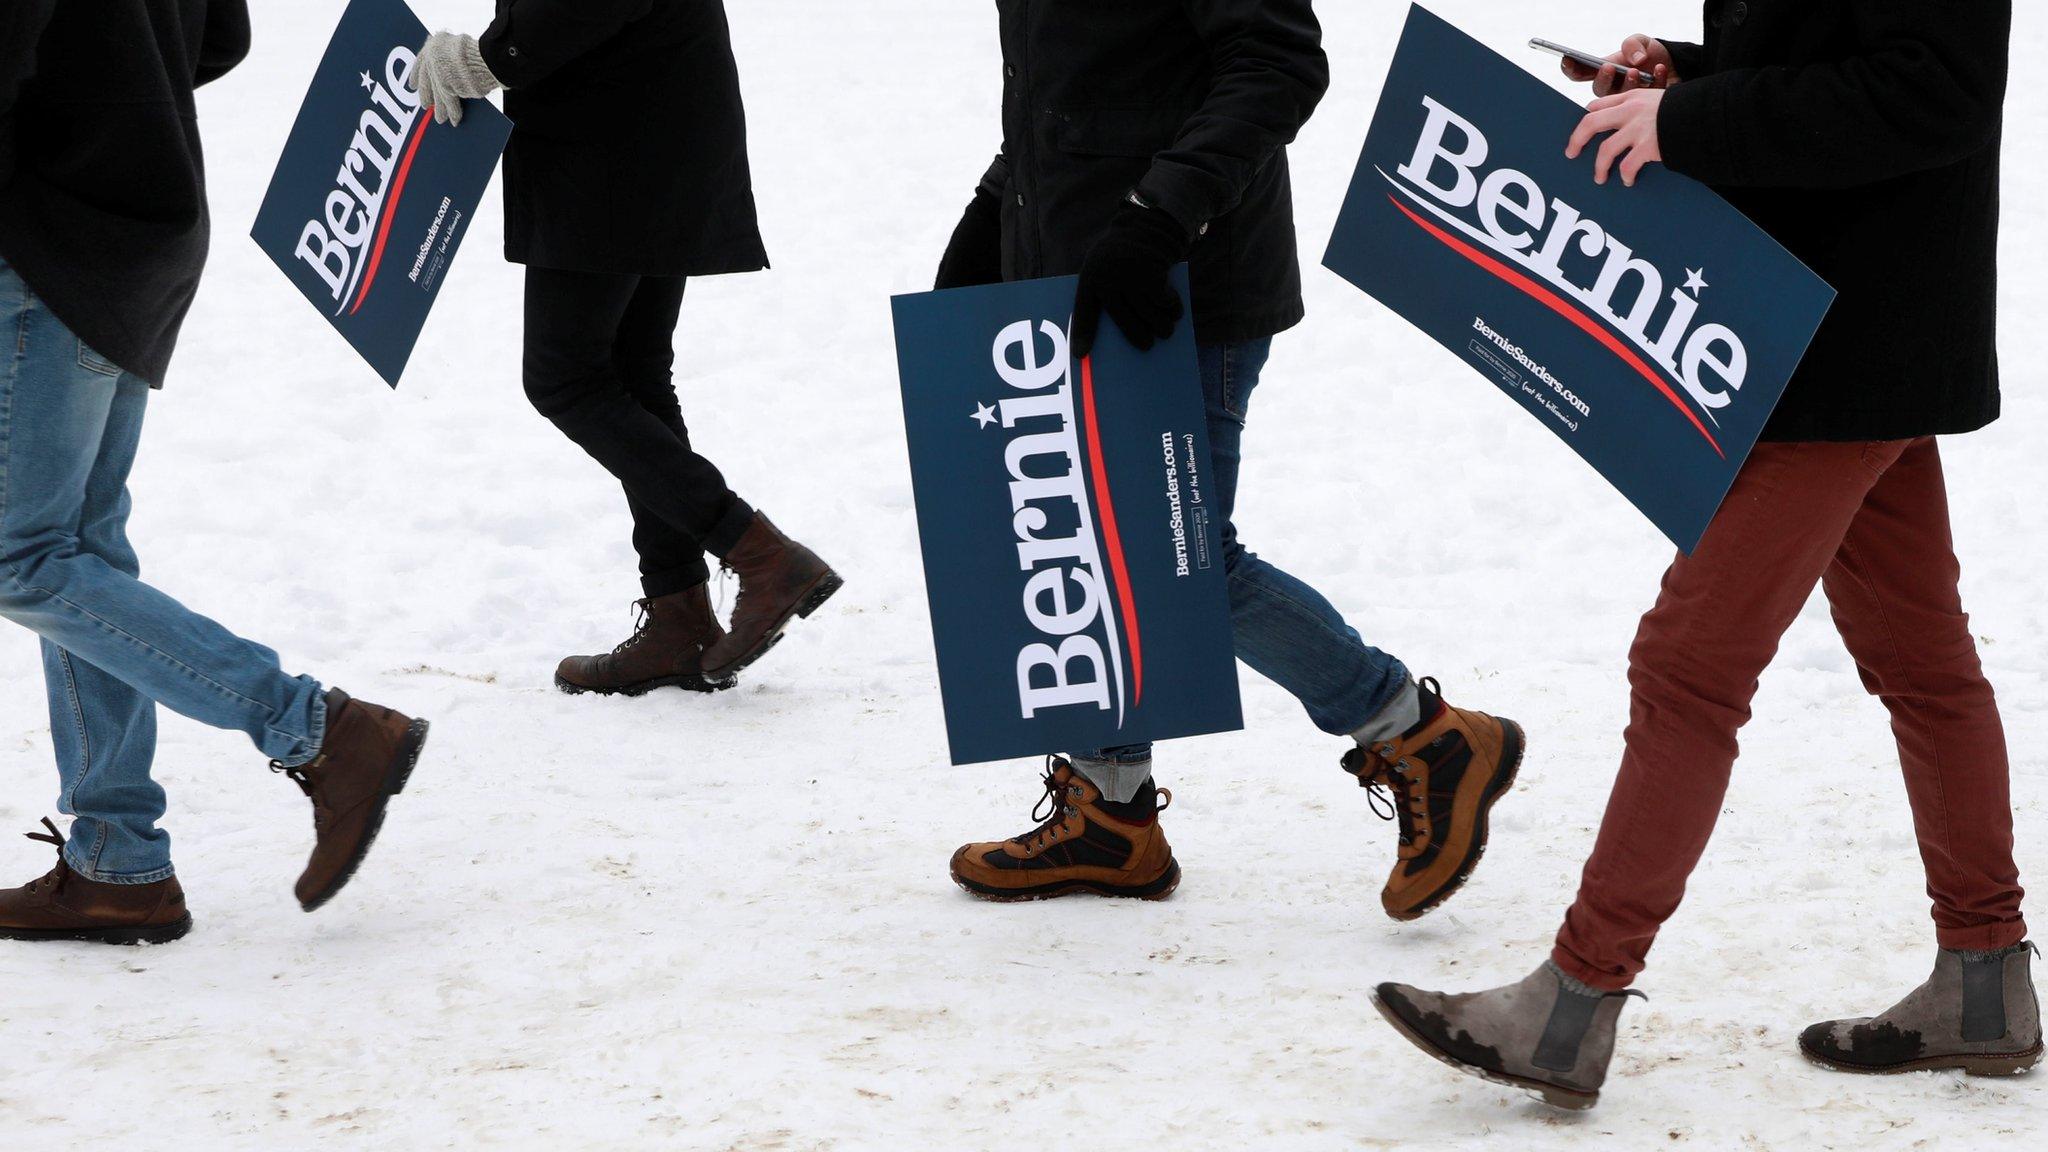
{"x": 643, "y": 613}
{"x": 1392, "y": 792}
{"x": 54, "y": 878}
{"x": 1052, "y": 806}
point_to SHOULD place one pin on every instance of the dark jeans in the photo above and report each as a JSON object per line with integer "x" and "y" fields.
{"x": 1284, "y": 629}
{"x": 599, "y": 349}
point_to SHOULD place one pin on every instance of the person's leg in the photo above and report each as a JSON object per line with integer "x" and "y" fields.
{"x": 1692, "y": 672}
{"x": 105, "y": 731}
{"x": 670, "y": 559}
{"x": 1285, "y": 630}
{"x": 574, "y": 322}
{"x": 56, "y": 408}
{"x": 1893, "y": 589}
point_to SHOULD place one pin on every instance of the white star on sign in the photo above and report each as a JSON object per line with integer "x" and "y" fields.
{"x": 367, "y": 82}
{"x": 985, "y": 414}
{"x": 1695, "y": 280}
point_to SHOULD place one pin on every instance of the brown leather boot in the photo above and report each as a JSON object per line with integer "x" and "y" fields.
{"x": 666, "y": 650}
{"x": 365, "y": 760}
{"x": 1439, "y": 781}
{"x": 779, "y": 579}
{"x": 66, "y": 906}
{"x": 1079, "y": 848}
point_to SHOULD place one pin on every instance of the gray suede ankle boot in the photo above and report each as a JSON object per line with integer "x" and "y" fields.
{"x": 1977, "y": 1013}
{"x": 1549, "y": 1034}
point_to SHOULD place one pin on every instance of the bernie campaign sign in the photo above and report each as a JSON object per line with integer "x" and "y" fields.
{"x": 371, "y": 198}
{"x": 1072, "y": 554}
{"x": 1651, "y": 328}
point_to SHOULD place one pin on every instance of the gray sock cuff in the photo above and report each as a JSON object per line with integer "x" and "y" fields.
{"x": 1118, "y": 782}
{"x": 1993, "y": 953}
{"x": 1572, "y": 984}
{"x": 1398, "y": 715}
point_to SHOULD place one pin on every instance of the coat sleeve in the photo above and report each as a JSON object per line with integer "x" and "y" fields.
{"x": 1270, "y": 74}
{"x": 532, "y": 38}
{"x": 996, "y": 178}
{"x": 21, "y": 32}
{"x": 1687, "y": 59}
{"x": 225, "y": 42}
{"x": 1922, "y": 86}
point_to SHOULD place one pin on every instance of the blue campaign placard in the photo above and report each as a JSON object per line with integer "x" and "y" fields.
{"x": 1650, "y": 328}
{"x": 1072, "y": 555}
{"x": 371, "y": 198}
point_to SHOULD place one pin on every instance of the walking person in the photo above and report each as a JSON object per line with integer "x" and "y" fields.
{"x": 627, "y": 174}
{"x": 103, "y": 232}
{"x": 1136, "y": 136}
{"x": 1865, "y": 137}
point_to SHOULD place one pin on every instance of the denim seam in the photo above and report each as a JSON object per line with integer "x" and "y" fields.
{"x": 69, "y": 801}
{"x": 13, "y": 577}
{"x": 314, "y": 740}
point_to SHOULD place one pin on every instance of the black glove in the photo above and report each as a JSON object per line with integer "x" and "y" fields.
{"x": 975, "y": 253}
{"x": 1125, "y": 276}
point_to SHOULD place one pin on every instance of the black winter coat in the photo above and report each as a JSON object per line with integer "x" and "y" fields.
{"x": 1864, "y": 136}
{"x": 1191, "y": 103}
{"x": 102, "y": 188}
{"x": 629, "y": 145}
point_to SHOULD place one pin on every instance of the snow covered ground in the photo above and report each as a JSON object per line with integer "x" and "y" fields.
{"x": 724, "y": 922}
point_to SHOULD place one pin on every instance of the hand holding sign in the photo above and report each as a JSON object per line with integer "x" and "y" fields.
{"x": 1589, "y": 305}
{"x": 1071, "y": 556}
{"x": 365, "y": 212}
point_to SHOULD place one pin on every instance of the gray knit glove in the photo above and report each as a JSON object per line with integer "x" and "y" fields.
{"x": 450, "y": 70}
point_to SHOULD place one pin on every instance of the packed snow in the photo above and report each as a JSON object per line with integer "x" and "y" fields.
{"x": 724, "y": 922}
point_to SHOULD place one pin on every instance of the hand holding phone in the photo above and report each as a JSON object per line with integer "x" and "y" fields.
{"x": 1642, "y": 62}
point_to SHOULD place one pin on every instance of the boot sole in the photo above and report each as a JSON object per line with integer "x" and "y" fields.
{"x": 152, "y": 934}
{"x": 395, "y": 778}
{"x": 686, "y": 683}
{"x": 1557, "y": 1096}
{"x": 812, "y": 599}
{"x": 2012, "y": 1064}
{"x": 1158, "y": 889}
{"x": 1514, "y": 743}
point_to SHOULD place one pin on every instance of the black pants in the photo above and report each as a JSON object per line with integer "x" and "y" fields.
{"x": 599, "y": 350}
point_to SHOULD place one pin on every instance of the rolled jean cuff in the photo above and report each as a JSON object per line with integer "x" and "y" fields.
{"x": 669, "y": 581}
{"x": 294, "y": 745}
{"x": 1118, "y": 775}
{"x": 1395, "y": 717}
{"x": 725, "y": 534}
{"x": 150, "y": 877}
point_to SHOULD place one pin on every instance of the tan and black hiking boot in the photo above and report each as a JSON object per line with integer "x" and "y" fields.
{"x": 1439, "y": 781}
{"x": 1083, "y": 845}
{"x": 66, "y": 906}
{"x": 367, "y": 756}
{"x": 666, "y": 650}
{"x": 1977, "y": 1013}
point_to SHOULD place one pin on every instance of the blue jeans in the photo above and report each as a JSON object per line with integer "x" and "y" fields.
{"x": 1284, "y": 629}
{"x": 113, "y": 647}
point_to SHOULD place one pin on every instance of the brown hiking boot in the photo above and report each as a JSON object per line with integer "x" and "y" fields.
{"x": 666, "y": 650}
{"x": 66, "y": 906}
{"x": 1080, "y": 847}
{"x": 365, "y": 760}
{"x": 779, "y": 579}
{"x": 1439, "y": 781}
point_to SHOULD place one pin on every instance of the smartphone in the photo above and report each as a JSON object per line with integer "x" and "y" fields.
{"x": 1596, "y": 63}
